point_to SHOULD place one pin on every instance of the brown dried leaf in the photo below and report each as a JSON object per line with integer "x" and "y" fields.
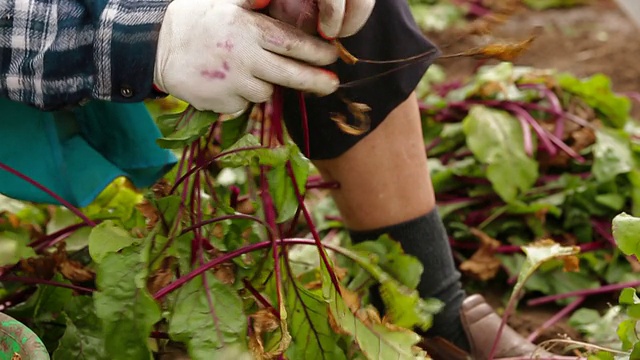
{"x": 14, "y": 220}
{"x": 262, "y": 321}
{"x": 226, "y": 273}
{"x": 149, "y": 212}
{"x": 312, "y": 285}
{"x": 344, "y": 54}
{"x": 162, "y": 276}
{"x": 334, "y": 325}
{"x": 350, "y": 298}
{"x": 16, "y": 356}
{"x": 246, "y": 207}
{"x": 43, "y": 267}
{"x": 483, "y": 265}
{"x": 74, "y": 271}
{"x": 162, "y": 188}
{"x": 502, "y": 52}
{"x": 571, "y": 263}
{"x": 341, "y": 121}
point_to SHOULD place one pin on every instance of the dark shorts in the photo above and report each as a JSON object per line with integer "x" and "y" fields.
{"x": 390, "y": 34}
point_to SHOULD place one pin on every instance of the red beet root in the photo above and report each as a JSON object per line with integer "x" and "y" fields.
{"x": 302, "y": 14}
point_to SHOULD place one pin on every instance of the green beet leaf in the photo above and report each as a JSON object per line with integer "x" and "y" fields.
{"x": 627, "y": 333}
{"x": 126, "y": 309}
{"x": 106, "y": 238}
{"x": 597, "y": 92}
{"x": 233, "y": 129}
{"x": 629, "y": 299}
{"x": 254, "y": 154}
{"x": 13, "y": 247}
{"x": 626, "y": 232}
{"x": 312, "y": 336}
{"x": 209, "y": 332}
{"x": 612, "y": 154}
{"x": 181, "y": 132}
{"x": 404, "y": 306}
{"x": 496, "y": 139}
{"x": 376, "y": 341}
{"x": 281, "y": 187}
{"x": 83, "y": 337}
{"x": 403, "y": 267}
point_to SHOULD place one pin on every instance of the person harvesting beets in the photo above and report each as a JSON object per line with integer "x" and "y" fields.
{"x": 222, "y": 55}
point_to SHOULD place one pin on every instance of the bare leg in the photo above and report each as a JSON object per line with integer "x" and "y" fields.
{"x": 385, "y": 188}
{"x": 384, "y": 179}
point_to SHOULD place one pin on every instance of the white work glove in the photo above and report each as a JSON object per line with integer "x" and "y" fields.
{"x": 219, "y": 55}
{"x": 330, "y": 18}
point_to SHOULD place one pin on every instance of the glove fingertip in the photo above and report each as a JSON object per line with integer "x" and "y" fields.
{"x": 326, "y": 34}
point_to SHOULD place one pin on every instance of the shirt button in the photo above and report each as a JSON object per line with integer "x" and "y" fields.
{"x": 126, "y": 91}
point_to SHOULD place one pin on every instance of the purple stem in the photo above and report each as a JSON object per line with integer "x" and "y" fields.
{"x": 555, "y": 105}
{"x": 27, "y": 280}
{"x": 62, "y": 201}
{"x": 260, "y": 298}
{"x": 48, "y": 239}
{"x": 312, "y": 228}
{"x": 305, "y": 123}
{"x": 210, "y": 161}
{"x": 585, "y": 292}
{"x": 526, "y": 130}
{"x": 566, "y": 148}
{"x": 542, "y": 135}
{"x": 555, "y": 318}
{"x": 230, "y": 255}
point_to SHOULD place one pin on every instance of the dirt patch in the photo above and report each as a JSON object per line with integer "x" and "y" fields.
{"x": 585, "y": 40}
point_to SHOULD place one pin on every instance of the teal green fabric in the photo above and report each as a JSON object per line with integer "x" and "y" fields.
{"x": 77, "y": 153}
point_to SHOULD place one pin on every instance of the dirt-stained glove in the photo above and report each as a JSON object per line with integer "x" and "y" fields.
{"x": 330, "y": 18}
{"x": 219, "y": 55}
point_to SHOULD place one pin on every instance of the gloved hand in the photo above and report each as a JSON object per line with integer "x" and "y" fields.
{"x": 331, "y": 18}
{"x": 219, "y": 55}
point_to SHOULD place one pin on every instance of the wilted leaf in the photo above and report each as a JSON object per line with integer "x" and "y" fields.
{"x": 262, "y": 321}
{"x": 208, "y": 332}
{"x": 537, "y": 254}
{"x": 496, "y": 139}
{"x": 149, "y": 212}
{"x": 123, "y": 304}
{"x": 376, "y": 341}
{"x": 403, "y": 305}
{"x": 162, "y": 276}
{"x": 75, "y": 271}
{"x": 483, "y": 265}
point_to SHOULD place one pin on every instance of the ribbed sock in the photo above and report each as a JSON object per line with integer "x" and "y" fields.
{"x": 426, "y": 238}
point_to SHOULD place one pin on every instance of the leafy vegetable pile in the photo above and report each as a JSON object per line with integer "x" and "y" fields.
{"x": 519, "y": 154}
{"x": 214, "y": 258}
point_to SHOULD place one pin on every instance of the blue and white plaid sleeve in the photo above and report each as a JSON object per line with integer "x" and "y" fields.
{"x": 60, "y": 53}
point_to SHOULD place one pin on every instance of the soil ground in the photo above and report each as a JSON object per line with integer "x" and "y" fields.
{"x": 585, "y": 40}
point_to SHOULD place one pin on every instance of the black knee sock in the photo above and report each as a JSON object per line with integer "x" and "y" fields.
{"x": 425, "y": 238}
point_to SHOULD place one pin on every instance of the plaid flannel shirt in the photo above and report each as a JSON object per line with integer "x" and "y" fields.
{"x": 59, "y": 53}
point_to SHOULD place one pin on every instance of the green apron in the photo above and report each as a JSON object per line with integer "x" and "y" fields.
{"x": 77, "y": 153}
